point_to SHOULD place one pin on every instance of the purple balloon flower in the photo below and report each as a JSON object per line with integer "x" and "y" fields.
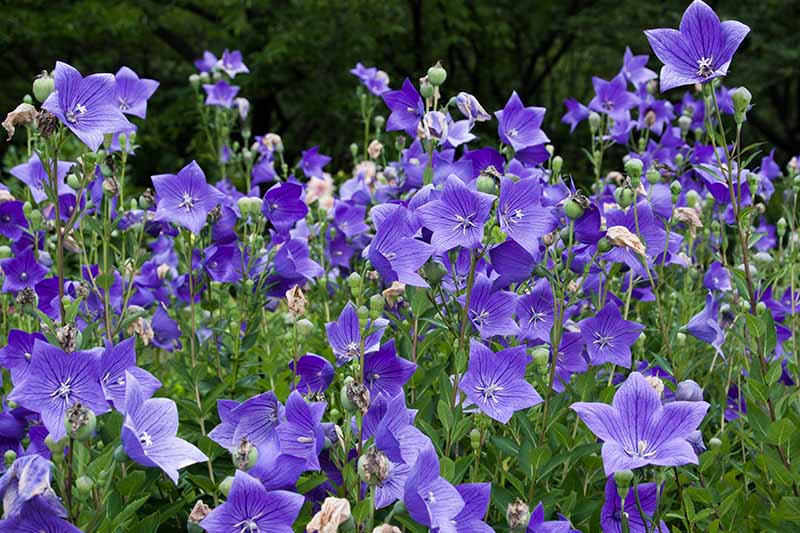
{"x": 385, "y": 372}
{"x": 491, "y": 311}
{"x": 395, "y": 253}
{"x": 301, "y": 435}
{"x": 612, "y": 97}
{"x": 476, "y": 502}
{"x": 56, "y": 381}
{"x": 576, "y": 113}
{"x": 149, "y": 432}
{"x": 133, "y": 92}
{"x": 22, "y": 271}
{"x": 521, "y": 214}
{"x": 637, "y": 430}
{"x": 185, "y": 198}
{"x": 284, "y": 205}
{"x": 85, "y": 105}
{"x": 431, "y": 500}
{"x": 700, "y": 50}
{"x": 609, "y": 337}
{"x": 717, "y": 278}
{"x": 220, "y": 94}
{"x": 634, "y": 68}
{"x": 34, "y": 175}
{"x": 535, "y": 312}
{"x": 17, "y": 354}
{"x": 250, "y": 507}
{"x": 344, "y": 335}
{"x": 315, "y": 373}
{"x": 458, "y": 217}
{"x": 36, "y": 516}
{"x": 537, "y": 523}
{"x": 231, "y": 63}
{"x": 207, "y": 62}
{"x": 495, "y": 382}
{"x": 611, "y": 513}
{"x": 12, "y": 220}
{"x": 520, "y": 126}
{"x": 312, "y": 162}
{"x": 116, "y": 361}
{"x": 406, "y": 109}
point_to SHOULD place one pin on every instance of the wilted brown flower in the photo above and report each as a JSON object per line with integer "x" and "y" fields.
{"x": 334, "y": 512}
{"x": 622, "y": 237}
{"x": 296, "y": 300}
{"x": 690, "y": 217}
{"x": 199, "y": 512}
{"x": 518, "y": 514}
{"x": 67, "y": 336}
{"x": 394, "y": 292}
{"x": 374, "y": 149}
{"x": 22, "y": 114}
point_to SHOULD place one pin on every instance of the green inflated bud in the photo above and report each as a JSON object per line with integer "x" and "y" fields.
{"x": 356, "y": 283}
{"x": 573, "y": 209}
{"x": 475, "y": 439}
{"x": 5, "y": 252}
{"x": 74, "y": 182}
{"x": 604, "y": 245}
{"x": 437, "y": 74}
{"x": 84, "y": 484}
{"x": 9, "y": 457}
{"x": 486, "y": 184}
{"x": 741, "y": 100}
{"x": 623, "y": 480}
{"x": 714, "y": 443}
{"x": 225, "y": 486}
{"x": 376, "y": 305}
{"x": 556, "y": 164}
{"x": 43, "y": 85}
{"x": 633, "y": 167}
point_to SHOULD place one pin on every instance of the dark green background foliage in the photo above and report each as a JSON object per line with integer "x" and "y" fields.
{"x": 299, "y": 53}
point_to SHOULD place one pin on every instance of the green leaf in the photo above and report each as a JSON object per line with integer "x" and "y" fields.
{"x": 780, "y": 431}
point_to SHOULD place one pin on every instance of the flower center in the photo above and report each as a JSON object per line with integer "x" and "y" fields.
{"x": 536, "y": 316}
{"x": 123, "y": 104}
{"x": 23, "y": 276}
{"x": 248, "y": 526}
{"x": 641, "y": 451}
{"x": 187, "y": 201}
{"x": 513, "y": 132}
{"x": 145, "y": 439}
{"x": 603, "y": 341}
{"x": 464, "y": 223}
{"x": 352, "y": 349}
{"x": 488, "y": 392}
{"x": 705, "y": 67}
{"x": 480, "y": 318}
{"x": 74, "y": 114}
{"x": 64, "y": 390}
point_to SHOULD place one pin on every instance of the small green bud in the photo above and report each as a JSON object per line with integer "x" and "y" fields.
{"x": 624, "y": 196}
{"x": 305, "y": 327}
{"x": 633, "y": 167}
{"x": 604, "y": 245}
{"x": 363, "y": 312}
{"x": 761, "y": 307}
{"x": 84, "y": 484}
{"x": 680, "y": 338}
{"x": 27, "y": 208}
{"x": 437, "y": 74}
{"x": 623, "y": 480}
{"x": 356, "y": 283}
{"x": 27, "y": 99}
{"x": 119, "y": 454}
{"x": 354, "y": 150}
{"x": 433, "y": 272}
{"x": 225, "y": 486}
{"x": 9, "y": 457}
{"x": 714, "y": 443}
{"x": 74, "y": 182}
{"x": 541, "y": 357}
{"x": 684, "y": 123}
{"x": 595, "y": 121}
{"x": 741, "y": 100}
{"x": 781, "y": 227}
{"x": 347, "y": 404}
{"x": 244, "y": 205}
{"x": 43, "y": 85}
{"x": 55, "y": 446}
{"x": 376, "y": 305}
{"x": 556, "y": 164}
{"x": 425, "y": 88}
{"x": 692, "y": 198}
{"x": 573, "y": 209}
{"x": 5, "y": 252}
{"x": 744, "y": 305}
{"x": 675, "y": 187}
{"x": 679, "y": 159}
{"x": 486, "y": 184}
{"x": 379, "y": 121}
{"x": 475, "y": 439}
{"x": 133, "y": 205}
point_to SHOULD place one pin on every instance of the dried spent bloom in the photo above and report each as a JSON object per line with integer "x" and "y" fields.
{"x": 296, "y": 301}
{"x": 656, "y": 383}
{"x": 21, "y": 115}
{"x": 67, "y": 336}
{"x": 357, "y": 394}
{"x": 690, "y": 217}
{"x": 393, "y": 293}
{"x": 623, "y": 237}
{"x": 517, "y": 514}
{"x": 334, "y": 512}
{"x": 374, "y": 149}
{"x": 386, "y": 528}
{"x": 374, "y": 467}
{"x": 199, "y": 512}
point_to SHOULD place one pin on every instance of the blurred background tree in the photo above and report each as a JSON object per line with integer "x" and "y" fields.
{"x": 300, "y": 53}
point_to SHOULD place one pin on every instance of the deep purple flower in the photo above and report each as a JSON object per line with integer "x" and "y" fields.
{"x": 21, "y": 271}
{"x": 85, "y": 105}
{"x": 570, "y": 359}
{"x": 12, "y": 220}
{"x": 284, "y": 205}
{"x": 36, "y": 516}
{"x": 17, "y": 354}
{"x": 207, "y": 62}
{"x": 301, "y": 435}
{"x": 576, "y": 113}
{"x": 612, "y": 97}
{"x": 611, "y": 513}
{"x": 254, "y": 419}
{"x": 476, "y": 502}
{"x": 349, "y": 219}
{"x": 537, "y": 523}
{"x": 495, "y": 382}
{"x": 224, "y": 263}
{"x": 133, "y": 92}
{"x": 491, "y": 311}
{"x": 471, "y": 108}
{"x": 705, "y": 326}
{"x": 293, "y": 263}
{"x": 250, "y": 507}
{"x": 535, "y": 312}
{"x": 377, "y": 81}
{"x": 27, "y": 481}
{"x": 458, "y": 217}
{"x": 56, "y": 381}
{"x": 637, "y": 430}
{"x": 231, "y": 63}
{"x": 609, "y": 337}
{"x": 116, "y": 361}
{"x": 717, "y": 278}
{"x": 34, "y": 175}
{"x": 149, "y": 432}
{"x": 314, "y": 371}
{"x": 220, "y": 94}
{"x": 521, "y": 215}
{"x": 634, "y": 68}
{"x": 431, "y": 500}
{"x": 344, "y": 335}
{"x": 512, "y": 262}
{"x": 395, "y": 253}
{"x": 312, "y": 162}
{"x": 700, "y": 50}
{"x": 385, "y": 372}
{"x": 167, "y": 333}
{"x": 520, "y": 126}
{"x": 406, "y": 109}
{"x": 186, "y": 198}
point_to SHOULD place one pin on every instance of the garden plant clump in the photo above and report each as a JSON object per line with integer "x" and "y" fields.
{"x": 463, "y": 332}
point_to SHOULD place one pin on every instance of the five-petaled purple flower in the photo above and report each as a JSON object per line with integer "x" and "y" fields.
{"x": 520, "y": 126}
{"x": 609, "y": 337}
{"x": 133, "y": 92}
{"x": 85, "y": 105}
{"x": 611, "y": 513}
{"x": 22, "y": 271}
{"x": 406, "y": 109}
{"x": 495, "y": 382}
{"x": 220, "y": 94}
{"x": 700, "y": 50}
{"x": 637, "y": 430}
{"x": 186, "y": 198}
